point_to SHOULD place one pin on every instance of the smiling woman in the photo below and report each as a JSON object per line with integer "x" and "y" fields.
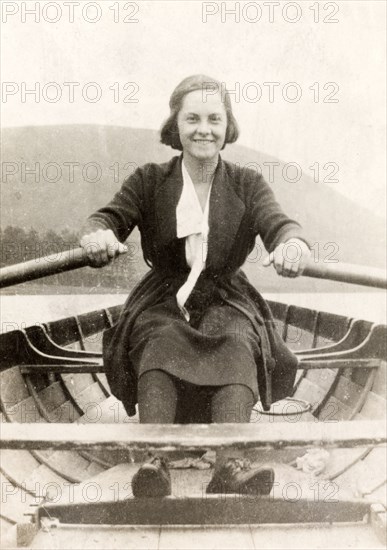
{"x": 202, "y": 126}
{"x": 195, "y": 341}
{"x": 205, "y": 88}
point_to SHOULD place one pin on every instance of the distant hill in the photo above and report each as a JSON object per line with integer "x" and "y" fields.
{"x": 62, "y": 153}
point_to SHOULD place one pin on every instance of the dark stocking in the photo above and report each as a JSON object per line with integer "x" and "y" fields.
{"x": 157, "y": 398}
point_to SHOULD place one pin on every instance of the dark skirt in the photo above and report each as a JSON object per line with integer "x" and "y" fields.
{"x": 221, "y": 349}
{"x": 230, "y": 339}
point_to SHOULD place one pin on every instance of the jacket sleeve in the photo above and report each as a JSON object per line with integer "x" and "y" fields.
{"x": 123, "y": 212}
{"x": 268, "y": 219}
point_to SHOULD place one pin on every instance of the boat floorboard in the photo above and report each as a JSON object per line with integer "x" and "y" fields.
{"x": 240, "y": 537}
{"x": 212, "y": 538}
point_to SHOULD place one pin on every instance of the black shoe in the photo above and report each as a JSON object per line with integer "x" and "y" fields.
{"x": 237, "y": 476}
{"x": 153, "y": 479}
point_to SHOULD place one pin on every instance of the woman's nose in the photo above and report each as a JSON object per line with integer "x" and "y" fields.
{"x": 203, "y": 127}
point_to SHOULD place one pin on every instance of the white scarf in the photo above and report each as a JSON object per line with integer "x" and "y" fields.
{"x": 191, "y": 223}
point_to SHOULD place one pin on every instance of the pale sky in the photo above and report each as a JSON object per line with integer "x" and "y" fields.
{"x": 171, "y": 41}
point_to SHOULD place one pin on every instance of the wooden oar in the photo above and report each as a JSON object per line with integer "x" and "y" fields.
{"x": 347, "y": 273}
{"x": 74, "y": 259}
{"x": 43, "y": 267}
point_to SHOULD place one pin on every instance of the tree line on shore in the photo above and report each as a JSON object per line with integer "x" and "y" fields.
{"x": 19, "y": 245}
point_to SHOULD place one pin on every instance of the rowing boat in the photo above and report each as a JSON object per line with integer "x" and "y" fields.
{"x": 69, "y": 450}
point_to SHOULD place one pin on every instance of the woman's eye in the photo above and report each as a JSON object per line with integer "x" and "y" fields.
{"x": 191, "y": 118}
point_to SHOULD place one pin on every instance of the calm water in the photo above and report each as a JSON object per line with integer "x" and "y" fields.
{"x": 23, "y": 310}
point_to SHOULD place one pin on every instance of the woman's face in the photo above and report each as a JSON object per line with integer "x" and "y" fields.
{"x": 202, "y": 124}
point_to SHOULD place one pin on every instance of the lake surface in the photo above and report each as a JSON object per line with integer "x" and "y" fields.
{"x": 20, "y": 311}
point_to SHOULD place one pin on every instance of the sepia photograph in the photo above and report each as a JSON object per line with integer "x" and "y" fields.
{"x": 193, "y": 275}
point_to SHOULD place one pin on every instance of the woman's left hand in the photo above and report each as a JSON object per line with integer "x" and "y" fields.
{"x": 290, "y": 258}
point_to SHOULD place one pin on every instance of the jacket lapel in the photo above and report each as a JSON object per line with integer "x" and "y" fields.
{"x": 225, "y": 216}
{"x": 167, "y": 196}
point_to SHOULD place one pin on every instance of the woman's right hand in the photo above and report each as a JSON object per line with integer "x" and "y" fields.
{"x": 101, "y": 246}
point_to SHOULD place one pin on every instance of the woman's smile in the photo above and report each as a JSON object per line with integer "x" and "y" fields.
{"x": 203, "y": 141}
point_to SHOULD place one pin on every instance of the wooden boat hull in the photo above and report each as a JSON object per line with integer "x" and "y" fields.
{"x": 53, "y": 374}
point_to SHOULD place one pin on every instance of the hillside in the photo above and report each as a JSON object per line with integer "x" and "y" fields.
{"x": 68, "y": 158}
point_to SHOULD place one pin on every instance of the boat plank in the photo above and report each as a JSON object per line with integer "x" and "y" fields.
{"x": 89, "y": 400}
{"x": 7, "y": 533}
{"x": 295, "y": 537}
{"x": 374, "y": 406}
{"x": 66, "y": 331}
{"x": 71, "y": 465}
{"x": 378, "y": 520}
{"x": 80, "y": 537}
{"x": 347, "y": 392}
{"x": 24, "y": 411}
{"x": 42, "y": 479}
{"x": 379, "y": 496}
{"x": 13, "y": 386}
{"x": 75, "y": 384}
{"x": 306, "y": 364}
{"x": 17, "y": 466}
{"x": 331, "y": 328}
{"x": 109, "y": 411}
{"x": 208, "y": 510}
{"x": 376, "y": 473}
{"x": 66, "y": 413}
{"x": 322, "y": 377}
{"x": 38, "y": 381}
{"x": 52, "y": 396}
{"x": 335, "y": 410}
{"x": 361, "y": 479}
{"x": 169, "y": 436}
{"x": 352, "y": 537}
{"x": 102, "y": 380}
{"x": 237, "y": 537}
{"x": 15, "y": 501}
{"x": 342, "y": 460}
{"x": 311, "y": 392}
{"x": 302, "y": 327}
{"x": 380, "y": 382}
{"x": 279, "y": 310}
{"x": 360, "y": 376}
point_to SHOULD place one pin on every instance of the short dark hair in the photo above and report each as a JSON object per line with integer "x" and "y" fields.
{"x": 169, "y": 130}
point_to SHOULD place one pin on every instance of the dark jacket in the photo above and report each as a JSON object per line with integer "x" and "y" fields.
{"x": 242, "y": 206}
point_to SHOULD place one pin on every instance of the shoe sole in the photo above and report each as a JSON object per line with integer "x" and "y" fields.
{"x": 259, "y": 484}
{"x": 149, "y": 482}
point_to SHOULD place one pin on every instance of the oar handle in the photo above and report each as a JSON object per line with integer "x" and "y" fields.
{"x": 76, "y": 258}
{"x": 43, "y": 267}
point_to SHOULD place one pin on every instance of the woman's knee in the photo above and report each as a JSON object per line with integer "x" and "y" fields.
{"x": 232, "y": 403}
{"x": 156, "y": 381}
{"x": 157, "y": 397}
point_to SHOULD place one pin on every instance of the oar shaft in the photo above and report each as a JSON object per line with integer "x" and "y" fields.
{"x": 347, "y": 273}
{"x": 43, "y": 267}
{"x": 76, "y": 258}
